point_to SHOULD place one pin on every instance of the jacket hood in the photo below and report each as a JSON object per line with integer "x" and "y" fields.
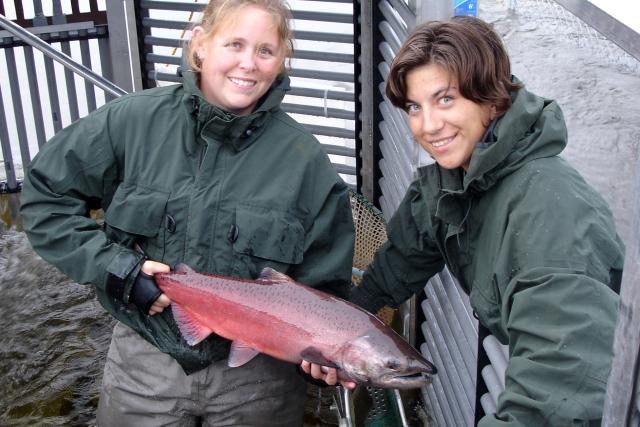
{"x": 216, "y": 124}
{"x": 532, "y": 128}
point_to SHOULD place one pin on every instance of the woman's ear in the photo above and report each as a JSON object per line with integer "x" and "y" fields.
{"x": 493, "y": 112}
{"x": 198, "y": 45}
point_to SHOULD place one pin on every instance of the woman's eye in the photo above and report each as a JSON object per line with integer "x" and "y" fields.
{"x": 446, "y": 99}
{"x": 234, "y": 45}
{"x": 264, "y": 51}
{"x": 412, "y": 108}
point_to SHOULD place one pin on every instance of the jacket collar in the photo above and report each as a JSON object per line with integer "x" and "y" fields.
{"x": 214, "y": 124}
{"x": 532, "y": 128}
{"x": 445, "y": 187}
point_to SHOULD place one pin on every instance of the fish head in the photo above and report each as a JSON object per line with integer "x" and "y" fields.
{"x": 385, "y": 361}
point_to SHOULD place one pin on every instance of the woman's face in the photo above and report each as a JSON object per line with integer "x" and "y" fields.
{"x": 241, "y": 60}
{"x": 445, "y": 124}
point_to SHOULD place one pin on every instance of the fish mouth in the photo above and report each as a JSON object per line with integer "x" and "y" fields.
{"x": 408, "y": 380}
{"x": 416, "y": 376}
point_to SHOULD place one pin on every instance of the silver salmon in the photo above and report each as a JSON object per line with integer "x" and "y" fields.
{"x": 286, "y": 320}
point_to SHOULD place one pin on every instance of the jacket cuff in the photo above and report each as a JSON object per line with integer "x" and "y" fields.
{"x": 362, "y": 298}
{"x": 122, "y": 272}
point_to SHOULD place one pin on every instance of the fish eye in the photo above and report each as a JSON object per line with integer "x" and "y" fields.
{"x": 392, "y": 365}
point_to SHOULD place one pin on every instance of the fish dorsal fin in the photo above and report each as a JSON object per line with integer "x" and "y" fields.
{"x": 269, "y": 273}
{"x": 240, "y": 354}
{"x": 191, "y": 329}
{"x": 313, "y": 355}
{"x": 183, "y": 268}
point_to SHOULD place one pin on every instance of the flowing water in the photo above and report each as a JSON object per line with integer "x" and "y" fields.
{"x": 53, "y": 341}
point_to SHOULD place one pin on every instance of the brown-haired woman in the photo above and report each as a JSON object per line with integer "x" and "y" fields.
{"x": 530, "y": 241}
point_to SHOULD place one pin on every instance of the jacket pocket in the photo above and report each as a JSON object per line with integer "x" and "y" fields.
{"x": 485, "y": 301}
{"x": 135, "y": 211}
{"x": 266, "y": 237}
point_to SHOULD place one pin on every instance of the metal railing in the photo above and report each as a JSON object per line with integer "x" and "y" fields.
{"x": 58, "y": 89}
{"x": 60, "y": 57}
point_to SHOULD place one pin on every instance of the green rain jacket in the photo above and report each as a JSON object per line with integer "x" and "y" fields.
{"x": 187, "y": 182}
{"x": 535, "y": 247}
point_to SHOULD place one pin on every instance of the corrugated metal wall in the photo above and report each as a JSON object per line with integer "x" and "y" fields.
{"x": 451, "y": 339}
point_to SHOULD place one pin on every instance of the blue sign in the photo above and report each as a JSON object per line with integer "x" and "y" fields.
{"x": 466, "y": 8}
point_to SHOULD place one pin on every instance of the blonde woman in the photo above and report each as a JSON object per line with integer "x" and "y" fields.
{"x": 211, "y": 173}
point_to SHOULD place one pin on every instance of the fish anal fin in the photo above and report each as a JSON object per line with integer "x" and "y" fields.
{"x": 269, "y": 273}
{"x": 313, "y": 355}
{"x": 191, "y": 329}
{"x": 240, "y": 354}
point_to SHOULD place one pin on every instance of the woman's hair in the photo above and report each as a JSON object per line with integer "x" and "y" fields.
{"x": 468, "y": 49}
{"x": 220, "y": 12}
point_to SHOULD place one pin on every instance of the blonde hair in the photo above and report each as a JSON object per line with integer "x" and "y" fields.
{"x": 217, "y": 13}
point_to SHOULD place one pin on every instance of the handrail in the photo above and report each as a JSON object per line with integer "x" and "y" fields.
{"x": 60, "y": 57}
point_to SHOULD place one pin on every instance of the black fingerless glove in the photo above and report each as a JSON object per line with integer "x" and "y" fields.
{"x": 144, "y": 292}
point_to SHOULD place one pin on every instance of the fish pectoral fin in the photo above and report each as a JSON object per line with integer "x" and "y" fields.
{"x": 270, "y": 274}
{"x": 240, "y": 354}
{"x": 192, "y": 330}
{"x": 313, "y": 355}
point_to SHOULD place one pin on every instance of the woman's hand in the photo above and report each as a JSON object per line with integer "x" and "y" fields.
{"x": 328, "y": 375}
{"x": 163, "y": 301}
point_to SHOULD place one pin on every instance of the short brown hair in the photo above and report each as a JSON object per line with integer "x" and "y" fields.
{"x": 468, "y": 49}
{"x": 217, "y": 12}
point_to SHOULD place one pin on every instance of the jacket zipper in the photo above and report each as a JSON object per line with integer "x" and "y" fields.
{"x": 195, "y": 110}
